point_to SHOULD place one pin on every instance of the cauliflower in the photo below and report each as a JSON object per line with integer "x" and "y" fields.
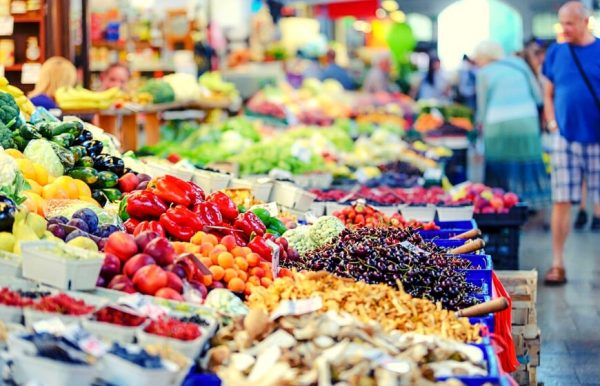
{"x": 8, "y": 169}
{"x": 325, "y": 230}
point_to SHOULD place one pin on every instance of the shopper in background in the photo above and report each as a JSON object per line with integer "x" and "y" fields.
{"x": 507, "y": 100}
{"x": 572, "y": 108}
{"x": 434, "y": 85}
{"x": 334, "y": 71}
{"x": 378, "y": 77}
{"x": 466, "y": 83}
{"x": 116, "y": 75}
{"x": 55, "y": 73}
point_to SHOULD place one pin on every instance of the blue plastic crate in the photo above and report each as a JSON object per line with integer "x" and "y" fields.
{"x": 487, "y": 320}
{"x": 447, "y": 243}
{"x": 442, "y": 233}
{"x": 479, "y": 262}
{"x": 464, "y": 225}
{"x": 482, "y": 278}
{"x": 491, "y": 360}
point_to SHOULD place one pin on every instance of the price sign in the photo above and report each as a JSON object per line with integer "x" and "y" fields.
{"x": 297, "y": 307}
{"x": 274, "y": 258}
{"x": 412, "y": 248}
{"x": 7, "y": 24}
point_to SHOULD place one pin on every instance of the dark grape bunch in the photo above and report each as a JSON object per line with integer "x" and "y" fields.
{"x": 376, "y": 255}
{"x": 196, "y": 319}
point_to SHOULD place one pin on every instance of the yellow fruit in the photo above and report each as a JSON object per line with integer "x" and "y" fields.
{"x": 67, "y": 185}
{"x": 84, "y": 243}
{"x": 14, "y": 153}
{"x": 37, "y": 223}
{"x": 14, "y": 91}
{"x": 26, "y": 167}
{"x": 41, "y": 173}
{"x": 83, "y": 188}
{"x": 35, "y": 203}
{"x": 35, "y": 187}
{"x": 54, "y": 191}
{"x": 7, "y": 242}
{"x": 3, "y": 81}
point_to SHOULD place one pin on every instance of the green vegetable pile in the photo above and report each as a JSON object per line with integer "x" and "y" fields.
{"x": 306, "y": 238}
{"x": 160, "y": 90}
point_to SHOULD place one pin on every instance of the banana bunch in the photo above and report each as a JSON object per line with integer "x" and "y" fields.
{"x": 79, "y": 98}
{"x": 23, "y": 102}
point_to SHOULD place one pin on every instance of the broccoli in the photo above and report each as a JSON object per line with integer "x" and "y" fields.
{"x": 9, "y": 110}
{"x": 6, "y": 140}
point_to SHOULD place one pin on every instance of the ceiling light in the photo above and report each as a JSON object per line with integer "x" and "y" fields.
{"x": 389, "y": 5}
{"x": 398, "y": 17}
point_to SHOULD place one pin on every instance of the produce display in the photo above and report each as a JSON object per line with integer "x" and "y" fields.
{"x": 323, "y": 349}
{"x": 361, "y": 215}
{"x": 62, "y": 304}
{"x": 173, "y": 328}
{"x": 393, "y": 309}
{"x": 119, "y": 317}
{"x": 79, "y": 98}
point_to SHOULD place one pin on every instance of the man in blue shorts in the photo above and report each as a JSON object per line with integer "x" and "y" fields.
{"x": 572, "y": 108}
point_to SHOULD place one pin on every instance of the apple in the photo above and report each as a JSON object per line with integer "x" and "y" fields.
{"x": 177, "y": 270}
{"x": 122, "y": 245}
{"x": 136, "y": 262}
{"x": 150, "y": 279}
{"x": 111, "y": 266}
{"x": 168, "y": 293}
{"x": 144, "y": 238}
{"x": 121, "y": 283}
{"x": 161, "y": 250}
{"x": 496, "y": 203}
{"x": 510, "y": 199}
{"x": 128, "y": 182}
{"x": 174, "y": 282}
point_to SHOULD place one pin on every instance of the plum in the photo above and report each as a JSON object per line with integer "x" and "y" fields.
{"x": 57, "y": 230}
{"x": 79, "y": 224}
{"x": 89, "y": 217}
{"x": 57, "y": 220}
{"x": 106, "y": 230}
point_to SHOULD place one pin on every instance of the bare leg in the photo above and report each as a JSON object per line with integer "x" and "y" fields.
{"x": 597, "y": 210}
{"x": 561, "y": 219}
{"x": 583, "y": 202}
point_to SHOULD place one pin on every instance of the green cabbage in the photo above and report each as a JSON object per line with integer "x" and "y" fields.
{"x": 42, "y": 151}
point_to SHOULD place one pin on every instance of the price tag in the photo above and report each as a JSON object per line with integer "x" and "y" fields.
{"x": 433, "y": 174}
{"x": 53, "y": 326}
{"x": 30, "y": 73}
{"x": 7, "y": 24}
{"x": 271, "y": 207}
{"x": 413, "y": 248}
{"x": 274, "y": 258}
{"x": 297, "y": 307}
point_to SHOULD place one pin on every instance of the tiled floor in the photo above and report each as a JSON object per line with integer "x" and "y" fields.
{"x": 568, "y": 316}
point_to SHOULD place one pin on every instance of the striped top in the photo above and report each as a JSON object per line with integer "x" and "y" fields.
{"x": 506, "y": 90}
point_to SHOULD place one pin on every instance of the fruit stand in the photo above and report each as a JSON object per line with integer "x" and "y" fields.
{"x": 152, "y": 267}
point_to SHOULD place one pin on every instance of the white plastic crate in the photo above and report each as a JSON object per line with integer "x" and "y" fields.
{"x": 388, "y": 210}
{"x": 458, "y": 213}
{"x": 321, "y": 180}
{"x": 33, "y": 316}
{"x": 190, "y": 349}
{"x": 303, "y": 181}
{"x": 11, "y": 314}
{"x": 283, "y": 193}
{"x": 303, "y": 200}
{"x": 211, "y": 181}
{"x": 419, "y": 213}
{"x": 10, "y": 264}
{"x": 332, "y": 206}
{"x": 53, "y": 373}
{"x": 159, "y": 169}
{"x": 111, "y": 332}
{"x": 261, "y": 188}
{"x": 318, "y": 208}
{"x": 118, "y": 371}
{"x": 45, "y": 267}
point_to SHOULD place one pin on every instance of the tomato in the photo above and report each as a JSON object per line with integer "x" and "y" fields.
{"x": 150, "y": 279}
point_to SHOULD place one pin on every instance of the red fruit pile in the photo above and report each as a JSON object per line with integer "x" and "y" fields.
{"x": 14, "y": 299}
{"x": 173, "y": 328}
{"x": 362, "y": 215}
{"x": 63, "y": 304}
{"x": 118, "y": 317}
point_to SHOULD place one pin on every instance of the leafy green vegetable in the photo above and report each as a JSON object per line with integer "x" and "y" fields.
{"x": 6, "y": 140}
{"x": 9, "y": 110}
{"x": 43, "y": 152}
{"x": 160, "y": 90}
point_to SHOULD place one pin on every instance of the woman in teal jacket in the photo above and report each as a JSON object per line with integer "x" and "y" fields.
{"x": 508, "y": 97}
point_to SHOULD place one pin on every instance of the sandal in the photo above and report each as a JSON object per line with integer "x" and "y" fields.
{"x": 555, "y": 276}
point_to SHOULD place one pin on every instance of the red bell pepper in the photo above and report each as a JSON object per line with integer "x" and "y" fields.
{"x": 197, "y": 193}
{"x": 130, "y": 225}
{"x": 174, "y": 190}
{"x": 180, "y": 223}
{"x": 250, "y": 224}
{"x": 260, "y": 246}
{"x": 144, "y": 205}
{"x": 153, "y": 226}
{"x": 208, "y": 213}
{"x": 226, "y": 205}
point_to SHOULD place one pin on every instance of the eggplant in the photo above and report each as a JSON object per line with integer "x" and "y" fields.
{"x": 85, "y": 135}
{"x": 98, "y": 195}
{"x": 109, "y": 163}
{"x": 93, "y": 147}
{"x": 8, "y": 209}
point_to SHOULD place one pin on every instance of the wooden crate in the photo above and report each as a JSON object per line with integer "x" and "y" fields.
{"x": 526, "y": 375}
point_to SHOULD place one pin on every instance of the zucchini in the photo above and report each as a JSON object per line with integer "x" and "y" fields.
{"x": 45, "y": 128}
{"x": 106, "y": 180}
{"x": 65, "y": 140}
{"x": 112, "y": 194}
{"x": 74, "y": 128}
{"x": 29, "y": 132}
{"x": 78, "y": 152}
{"x": 86, "y": 162}
{"x": 87, "y": 175}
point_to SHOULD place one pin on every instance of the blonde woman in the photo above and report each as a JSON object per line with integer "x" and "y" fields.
{"x": 56, "y": 72}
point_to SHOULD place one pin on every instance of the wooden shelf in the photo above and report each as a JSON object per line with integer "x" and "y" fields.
{"x": 14, "y": 67}
{"x": 28, "y": 18}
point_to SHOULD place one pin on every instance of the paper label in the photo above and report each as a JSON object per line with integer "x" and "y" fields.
{"x": 413, "y": 248}
{"x": 142, "y": 305}
{"x": 297, "y": 307}
{"x": 274, "y": 258}
{"x": 53, "y": 326}
{"x": 30, "y": 73}
{"x": 7, "y": 24}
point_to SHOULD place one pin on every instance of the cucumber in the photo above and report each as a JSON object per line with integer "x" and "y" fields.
{"x": 112, "y": 194}
{"x": 78, "y": 153}
{"x": 45, "y": 128}
{"x": 29, "y": 132}
{"x": 106, "y": 180}
{"x": 74, "y": 128}
{"x": 86, "y": 162}
{"x": 65, "y": 140}
{"x": 87, "y": 175}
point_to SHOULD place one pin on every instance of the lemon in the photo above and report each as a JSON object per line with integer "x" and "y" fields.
{"x": 7, "y": 242}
